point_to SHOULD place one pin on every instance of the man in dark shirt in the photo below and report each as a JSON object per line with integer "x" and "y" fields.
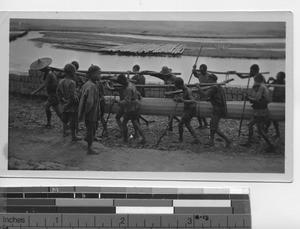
{"x": 202, "y": 76}
{"x": 78, "y": 79}
{"x": 189, "y": 109}
{"x": 139, "y": 79}
{"x": 278, "y": 97}
{"x": 68, "y": 100}
{"x": 259, "y": 100}
{"x": 217, "y": 97}
{"x": 131, "y": 107}
{"x": 50, "y": 83}
{"x": 89, "y": 106}
{"x": 254, "y": 70}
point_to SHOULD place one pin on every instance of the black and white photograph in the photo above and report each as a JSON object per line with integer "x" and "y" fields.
{"x": 161, "y": 93}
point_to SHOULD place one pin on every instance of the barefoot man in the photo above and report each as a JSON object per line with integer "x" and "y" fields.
{"x": 50, "y": 83}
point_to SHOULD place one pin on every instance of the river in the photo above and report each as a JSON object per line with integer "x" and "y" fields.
{"x": 23, "y": 52}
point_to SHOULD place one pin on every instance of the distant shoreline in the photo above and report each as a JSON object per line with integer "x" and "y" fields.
{"x": 157, "y": 34}
{"x": 93, "y": 42}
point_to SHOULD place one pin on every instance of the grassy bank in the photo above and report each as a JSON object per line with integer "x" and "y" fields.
{"x": 15, "y": 35}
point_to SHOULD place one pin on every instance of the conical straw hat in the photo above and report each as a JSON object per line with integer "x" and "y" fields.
{"x": 40, "y": 63}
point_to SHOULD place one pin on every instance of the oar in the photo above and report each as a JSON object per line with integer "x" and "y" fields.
{"x": 275, "y": 85}
{"x": 128, "y": 72}
{"x": 209, "y": 85}
{"x": 195, "y": 63}
{"x": 167, "y": 127}
{"x": 231, "y": 72}
{"x": 62, "y": 70}
{"x": 145, "y": 120}
{"x": 243, "y": 112}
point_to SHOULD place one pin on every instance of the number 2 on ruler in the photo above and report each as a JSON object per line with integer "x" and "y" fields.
{"x": 122, "y": 220}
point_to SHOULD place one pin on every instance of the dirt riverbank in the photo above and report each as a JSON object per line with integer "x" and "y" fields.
{"x": 32, "y": 147}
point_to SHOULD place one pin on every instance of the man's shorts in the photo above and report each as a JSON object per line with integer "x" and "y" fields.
{"x": 131, "y": 115}
{"x": 70, "y": 117}
{"x": 189, "y": 114}
{"x": 120, "y": 112}
{"x": 52, "y": 99}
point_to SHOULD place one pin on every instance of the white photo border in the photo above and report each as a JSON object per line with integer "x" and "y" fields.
{"x": 284, "y": 16}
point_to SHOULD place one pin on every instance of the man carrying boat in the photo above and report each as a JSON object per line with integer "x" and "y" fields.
{"x": 68, "y": 101}
{"x": 139, "y": 79}
{"x": 89, "y": 106}
{"x": 78, "y": 80}
{"x": 259, "y": 100}
{"x": 189, "y": 109}
{"x": 277, "y": 97}
{"x": 120, "y": 111}
{"x": 169, "y": 79}
{"x": 254, "y": 70}
{"x": 50, "y": 83}
{"x": 202, "y": 76}
{"x": 216, "y": 95}
{"x": 131, "y": 107}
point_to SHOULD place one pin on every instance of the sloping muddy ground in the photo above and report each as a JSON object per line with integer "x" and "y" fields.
{"x": 33, "y": 147}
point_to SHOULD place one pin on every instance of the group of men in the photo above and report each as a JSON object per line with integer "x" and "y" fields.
{"x": 75, "y": 101}
{"x": 216, "y": 95}
{"x": 72, "y": 103}
{"x": 259, "y": 98}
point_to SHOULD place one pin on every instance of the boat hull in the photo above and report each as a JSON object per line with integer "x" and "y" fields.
{"x": 165, "y": 106}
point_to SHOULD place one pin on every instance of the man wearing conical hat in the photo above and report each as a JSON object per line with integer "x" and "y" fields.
{"x": 50, "y": 83}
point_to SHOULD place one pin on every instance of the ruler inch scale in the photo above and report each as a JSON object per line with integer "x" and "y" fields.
{"x": 121, "y": 207}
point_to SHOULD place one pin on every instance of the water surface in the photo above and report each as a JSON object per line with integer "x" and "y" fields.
{"x": 23, "y": 52}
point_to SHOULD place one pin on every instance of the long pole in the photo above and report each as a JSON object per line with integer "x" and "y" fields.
{"x": 169, "y": 122}
{"x": 83, "y": 72}
{"x": 195, "y": 63}
{"x": 128, "y": 72}
{"x": 203, "y": 88}
{"x": 243, "y": 112}
{"x": 231, "y": 72}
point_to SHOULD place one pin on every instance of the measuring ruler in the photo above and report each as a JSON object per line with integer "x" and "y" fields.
{"x": 123, "y": 207}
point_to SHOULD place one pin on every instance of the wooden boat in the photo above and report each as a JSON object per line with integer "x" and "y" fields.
{"x": 165, "y": 106}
